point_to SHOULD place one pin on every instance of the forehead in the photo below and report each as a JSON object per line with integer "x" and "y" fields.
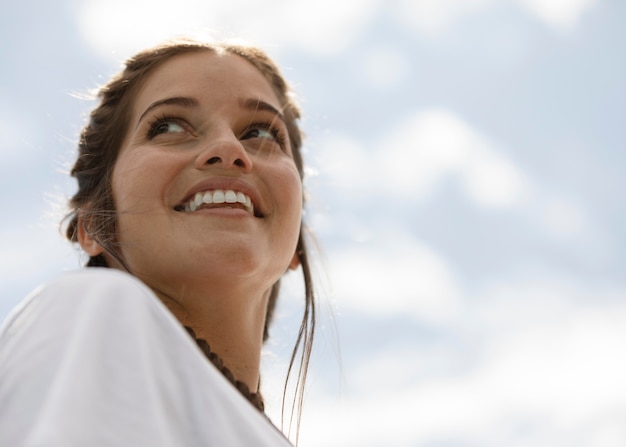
{"x": 205, "y": 76}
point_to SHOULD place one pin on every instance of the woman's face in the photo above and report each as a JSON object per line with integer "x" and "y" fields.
{"x": 205, "y": 185}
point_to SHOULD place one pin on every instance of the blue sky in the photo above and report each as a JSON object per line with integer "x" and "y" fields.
{"x": 466, "y": 184}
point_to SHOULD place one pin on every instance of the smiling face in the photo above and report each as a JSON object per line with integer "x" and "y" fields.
{"x": 205, "y": 185}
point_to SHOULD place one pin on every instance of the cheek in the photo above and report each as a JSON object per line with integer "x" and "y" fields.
{"x": 292, "y": 190}
{"x": 140, "y": 177}
{"x": 290, "y": 184}
{"x": 125, "y": 187}
{"x": 126, "y": 179}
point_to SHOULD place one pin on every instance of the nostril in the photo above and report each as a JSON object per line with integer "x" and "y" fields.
{"x": 240, "y": 163}
{"x": 213, "y": 160}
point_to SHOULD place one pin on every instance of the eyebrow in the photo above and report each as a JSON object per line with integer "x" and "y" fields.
{"x": 183, "y": 101}
{"x": 176, "y": 100}
{"x": 257, "y": 104}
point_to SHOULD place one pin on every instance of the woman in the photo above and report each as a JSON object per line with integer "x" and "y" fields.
{"x": 190, "y": 180}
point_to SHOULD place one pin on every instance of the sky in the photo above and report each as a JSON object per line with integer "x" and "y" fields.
{"x": 465, "y": 185}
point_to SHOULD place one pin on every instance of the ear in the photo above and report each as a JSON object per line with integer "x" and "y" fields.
{"x": 87, "y": 243}
{"x": 295, "y": 261}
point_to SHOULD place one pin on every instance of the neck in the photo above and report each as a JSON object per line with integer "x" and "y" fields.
{"x": 231, "y": 321}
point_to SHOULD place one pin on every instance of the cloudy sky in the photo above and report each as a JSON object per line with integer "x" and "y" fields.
{"x": 466, "y": 184}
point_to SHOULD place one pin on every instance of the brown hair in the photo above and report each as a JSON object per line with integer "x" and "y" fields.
{"x": 99, "y": 146}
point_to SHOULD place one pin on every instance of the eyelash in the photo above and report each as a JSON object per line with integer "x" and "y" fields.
{"x": 157, "y": 121}
{"x": 274, "y": 130}
{"x": 154, "y": 123}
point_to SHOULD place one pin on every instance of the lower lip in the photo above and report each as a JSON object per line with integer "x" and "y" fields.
{"x": 225, "y": 212}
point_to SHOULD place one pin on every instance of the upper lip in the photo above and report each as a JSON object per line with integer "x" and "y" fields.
{"x": 225, "y": 183}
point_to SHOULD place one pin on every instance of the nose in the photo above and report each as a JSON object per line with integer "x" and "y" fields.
{"x": 224, "y": 150}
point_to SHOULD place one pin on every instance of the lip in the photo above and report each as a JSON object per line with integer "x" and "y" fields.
{"x": 226, "y": 183}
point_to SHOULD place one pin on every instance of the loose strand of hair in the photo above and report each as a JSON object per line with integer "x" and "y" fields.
{"x": 303, "y": 345}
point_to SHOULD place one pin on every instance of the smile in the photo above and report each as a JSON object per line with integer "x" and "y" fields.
{"x": 216, "y": 199}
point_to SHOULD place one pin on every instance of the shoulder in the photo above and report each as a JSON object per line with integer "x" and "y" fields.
{"x": 87, "y": 297}
{"x": 92, "y": 282}
{"x": 84, "y": 287}
{"x": 97, "y": 345}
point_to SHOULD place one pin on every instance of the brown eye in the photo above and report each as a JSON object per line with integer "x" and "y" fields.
{"x": 265, "y": 132}
{"x": 166, "y": 125}
{"x": 260, "y": 133}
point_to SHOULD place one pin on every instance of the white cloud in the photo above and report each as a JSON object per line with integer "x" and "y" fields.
{"x": 564, "y": 369}
{"x": 559, "y": 13}
{"x": 125, "y": 27}
{"x": 435, "y": 17}
{"x": 323, "y": 26}
{"x": 394, "y": 274}
{"x": 492, "y": 180}
{"x": 412, "y": 160}
{"x": 435, "y": 143}
{"x": 118, "y": 28}
{"x": 547, "y": 382}
{"x": 432, "y": 17}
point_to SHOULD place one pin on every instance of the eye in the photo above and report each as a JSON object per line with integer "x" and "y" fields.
{"x": 264, "y": 131}
{"x": 259, "y": 133}
{"x": 165, "y": 125}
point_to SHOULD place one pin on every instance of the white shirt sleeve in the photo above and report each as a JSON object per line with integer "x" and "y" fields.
{"x": 95, "y": 359}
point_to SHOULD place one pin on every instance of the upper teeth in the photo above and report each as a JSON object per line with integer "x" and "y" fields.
{"x": 219, "y": 196}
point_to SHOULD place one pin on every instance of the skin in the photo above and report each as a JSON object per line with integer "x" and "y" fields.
{"x": 213, "y": 268}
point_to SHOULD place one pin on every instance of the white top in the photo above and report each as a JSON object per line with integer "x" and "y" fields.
{"x": 95, "y": 359}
